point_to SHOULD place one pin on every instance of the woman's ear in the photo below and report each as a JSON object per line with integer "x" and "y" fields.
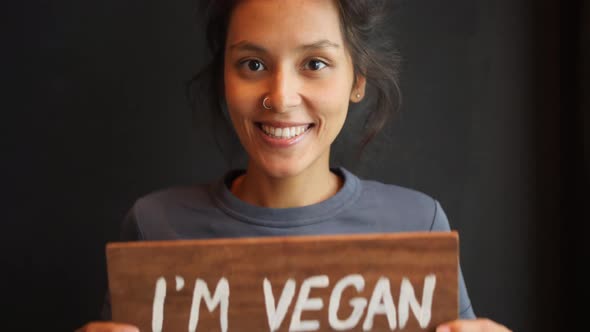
{"x": 358, "y": 90}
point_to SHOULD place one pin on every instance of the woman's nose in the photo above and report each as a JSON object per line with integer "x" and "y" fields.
{"x": 284, "y": 91}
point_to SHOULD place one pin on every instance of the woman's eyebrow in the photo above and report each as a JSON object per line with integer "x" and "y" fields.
{"x": 319, "y": 45}
{"x": 249, "y": 46}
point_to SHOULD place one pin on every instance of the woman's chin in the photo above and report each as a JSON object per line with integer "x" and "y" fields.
{"x": 283, "y": 168}
{"x": 288, "y": 165}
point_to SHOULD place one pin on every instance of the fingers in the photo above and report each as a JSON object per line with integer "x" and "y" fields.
{"x": 473, "y": 325}
{"x": 107, "y": 327}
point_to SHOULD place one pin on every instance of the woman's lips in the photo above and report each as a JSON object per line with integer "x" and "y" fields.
{"x": 283, "y": 134}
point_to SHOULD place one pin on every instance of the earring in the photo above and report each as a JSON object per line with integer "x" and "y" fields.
{"x": 358, "y": 96}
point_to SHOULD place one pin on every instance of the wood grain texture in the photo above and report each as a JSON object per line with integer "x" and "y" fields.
{"x": 134, "y": 267}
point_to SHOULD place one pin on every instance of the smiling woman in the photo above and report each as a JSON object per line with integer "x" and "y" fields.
{"x": 287, "y": 72}
{"x": 307, "y": 79}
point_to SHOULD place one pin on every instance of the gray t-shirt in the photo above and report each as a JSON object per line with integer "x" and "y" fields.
{"x": 212, "y": 211}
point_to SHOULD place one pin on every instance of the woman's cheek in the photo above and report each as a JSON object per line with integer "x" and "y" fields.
{"x": 335, "y": 90}
{"x": 246, "y": 95}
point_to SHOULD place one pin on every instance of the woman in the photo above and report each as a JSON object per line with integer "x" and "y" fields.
{"x": 287, "y": 72}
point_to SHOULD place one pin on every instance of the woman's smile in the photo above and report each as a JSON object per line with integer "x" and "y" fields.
{"x": 283, "y": 134}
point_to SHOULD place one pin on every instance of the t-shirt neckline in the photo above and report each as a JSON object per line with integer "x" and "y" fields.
{"x": 285, "y": 217}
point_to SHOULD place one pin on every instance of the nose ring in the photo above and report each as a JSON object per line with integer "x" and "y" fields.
{"x": 265, "y": 103}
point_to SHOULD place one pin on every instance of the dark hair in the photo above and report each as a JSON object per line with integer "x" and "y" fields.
{"x": 373, "y": 56}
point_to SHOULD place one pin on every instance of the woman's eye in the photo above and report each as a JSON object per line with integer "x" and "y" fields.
{"x": 254, "y": 65}
{"x": 316, "y": 65}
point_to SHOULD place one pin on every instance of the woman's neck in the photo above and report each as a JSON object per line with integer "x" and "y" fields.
{"x": 310, "y": 187}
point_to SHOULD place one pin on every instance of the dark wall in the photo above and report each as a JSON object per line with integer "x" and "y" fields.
{"x": 98, "y": 117}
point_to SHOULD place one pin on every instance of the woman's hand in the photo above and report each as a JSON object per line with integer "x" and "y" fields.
{"x": 107, "y": 327}
{"x": 473, "y": 325}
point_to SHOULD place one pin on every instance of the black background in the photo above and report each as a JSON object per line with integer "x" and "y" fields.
{"x": 95, "y": 116}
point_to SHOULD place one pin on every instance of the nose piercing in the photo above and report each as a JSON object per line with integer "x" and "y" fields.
{"x": 265, "y": 103}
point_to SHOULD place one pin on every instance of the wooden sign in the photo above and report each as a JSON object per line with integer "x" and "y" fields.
{"x": 371, "y": 282}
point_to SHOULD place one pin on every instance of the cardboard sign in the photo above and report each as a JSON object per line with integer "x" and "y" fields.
{"x": 372, "y": 282}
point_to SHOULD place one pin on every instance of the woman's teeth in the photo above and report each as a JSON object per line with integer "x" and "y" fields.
{"x": 284, "y": 133}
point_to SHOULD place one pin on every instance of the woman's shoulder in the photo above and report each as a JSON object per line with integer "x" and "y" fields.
{"x": 168, "y": 213}
{"x": 401, "y": 207}
{"x": 391, "y": 193}
{"x": 398, "y": 193}
{"x": 196, "y": 196}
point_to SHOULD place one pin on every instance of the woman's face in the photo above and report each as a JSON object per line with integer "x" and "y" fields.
{"x": 292, "y": 52}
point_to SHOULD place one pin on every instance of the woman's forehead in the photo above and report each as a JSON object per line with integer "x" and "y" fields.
{"x": 285, "y": 22}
